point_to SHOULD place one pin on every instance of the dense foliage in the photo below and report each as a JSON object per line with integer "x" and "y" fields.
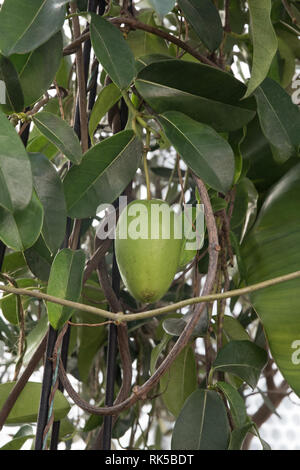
{"x": 185, "y": 101}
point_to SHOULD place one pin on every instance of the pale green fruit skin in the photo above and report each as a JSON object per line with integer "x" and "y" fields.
{"x": 147, "y": 266}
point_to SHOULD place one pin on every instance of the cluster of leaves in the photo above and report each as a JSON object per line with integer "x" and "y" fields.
{"x": 171, "y": 64}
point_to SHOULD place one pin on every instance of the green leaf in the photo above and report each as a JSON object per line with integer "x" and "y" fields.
{"x": 205, "y": 20}
{"x": 34, "y": 338}
{"x": 65, "y": 282}
{"x": 264, "y": 42}
{"x": 238, "y": 435}
{"x": 39, "y": 259}
{"x": 49, "y": 189}
{"x": 143, "y": 43}
{"x": 203, "y": 150}
{"x": 21, "y": 229}
{"x": 41, "y": 144}
{"x": 14, "y": 99}
{"x": 162, "y": 7}
{"x": 202, "y": 423}
{"x": 234, "y": 330}
{"x": 25, "y": 410}
{"x": 15, "y": 169}
{"x": 241, "y": 358}
{"x": 107, "y": 97}
{"x": 272, "y": 249}
{"x": 279, "y": 119}
{"x": 112, "y": 51}
{"x": 16, "y": 443}
{"x": 157, "y": 350}
{"x": 204, "y": 93}
{"x": 37, "y": 69}
{"x": 32, "y": 26}
{"x": 60, "y": 134}
{"x": 101, "y": 180}
{"x": 236, "y": 403}
{"x": 179, "y": 381}
{"x": 9, "y": 304}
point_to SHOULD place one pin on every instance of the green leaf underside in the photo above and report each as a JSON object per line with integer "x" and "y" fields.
{"x": 107, "y": 97}
{"x": 264, "y": 42}
{"x": 15, "y": 169}
{"x": 32, "y": 26}
{"x": 202, "y": 423}
{"x": 60, "y": 134}
{"x": 162, "y": 8}
{"x": 203, "y": 93}
{"x": 113, "y": 52}
{"x": 65, "y": 282}
{"x": 203, "y": 150}
{"x": 105, "y": 171}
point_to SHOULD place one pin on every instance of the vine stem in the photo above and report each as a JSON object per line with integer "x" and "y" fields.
{"x": 120, "y": 317}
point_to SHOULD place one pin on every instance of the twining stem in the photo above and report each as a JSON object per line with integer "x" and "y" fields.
{"x": 120, "y": 317}
{"x": 146, "y": 169}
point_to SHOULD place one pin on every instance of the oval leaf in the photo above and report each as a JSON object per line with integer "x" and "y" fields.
{"x": 205, "y": 20}
{"x": 65, "y": 282}
{"x": 21, "y": 229}
{"x": 14, "y": 99}
{"x": 203, "y": 150}
{"x": 112, "y": 51}
{"x": 101, "y": 180}
{"x": 203, "y": 93}
{"x": 107, "y": 97}
{"x": 236, "y": 403}
{"x": 60, "y": 134}
{"x": 202, "y": 423}
{"x": 264, "y": 41}
{"x": 15, "y": 169}
{"x": 32, "y": 26}
{"x": 241, "y": 358}
{"x": 26, "y": 408}
{"x": 50, "y": 192}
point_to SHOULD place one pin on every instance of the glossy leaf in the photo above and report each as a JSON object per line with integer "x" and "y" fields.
{"x": 238, "y": 435}
{"x": 60, "y": 133}
{"x": 15, "y": 169}
{"x": 202, "y": 423}
{"x": 112, "y": 51}
{"x": 279, "y": 119}
{"x": 105, "y": 171}
{"x": 205, "y": 20}
{"x": 37, "y": 68}
{"x": 14, "y": 99}
{"x": 65, "y": 282}
{"x": 241, "y": 358}
{"x": 32, "y": 26}
{"x": 25, "y": 410}
{"x": 180, "y": 381}
{"x": 49, "y": 189}
{"x": 208, "y": 155}
{"x": 34, "y": 338}
{"x": 143, "y": 43}
{"x": 107, "y": 97}
{"x": 264, "y": 42}
{"x": 162, "y": 7}
{"x": 21, "y": 229}
{"x": 269, "y": 250}
{"x": 203, "y": 93}
{"x": 39, "y": 259}
{"x": 9, "y": 303}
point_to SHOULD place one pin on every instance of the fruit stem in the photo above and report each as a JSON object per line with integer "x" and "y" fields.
{"x": 146, "y": 169}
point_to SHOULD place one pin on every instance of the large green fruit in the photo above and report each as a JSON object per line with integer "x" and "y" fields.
{"x": 147, "y": 248}
{"x": 272, "y": 249}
